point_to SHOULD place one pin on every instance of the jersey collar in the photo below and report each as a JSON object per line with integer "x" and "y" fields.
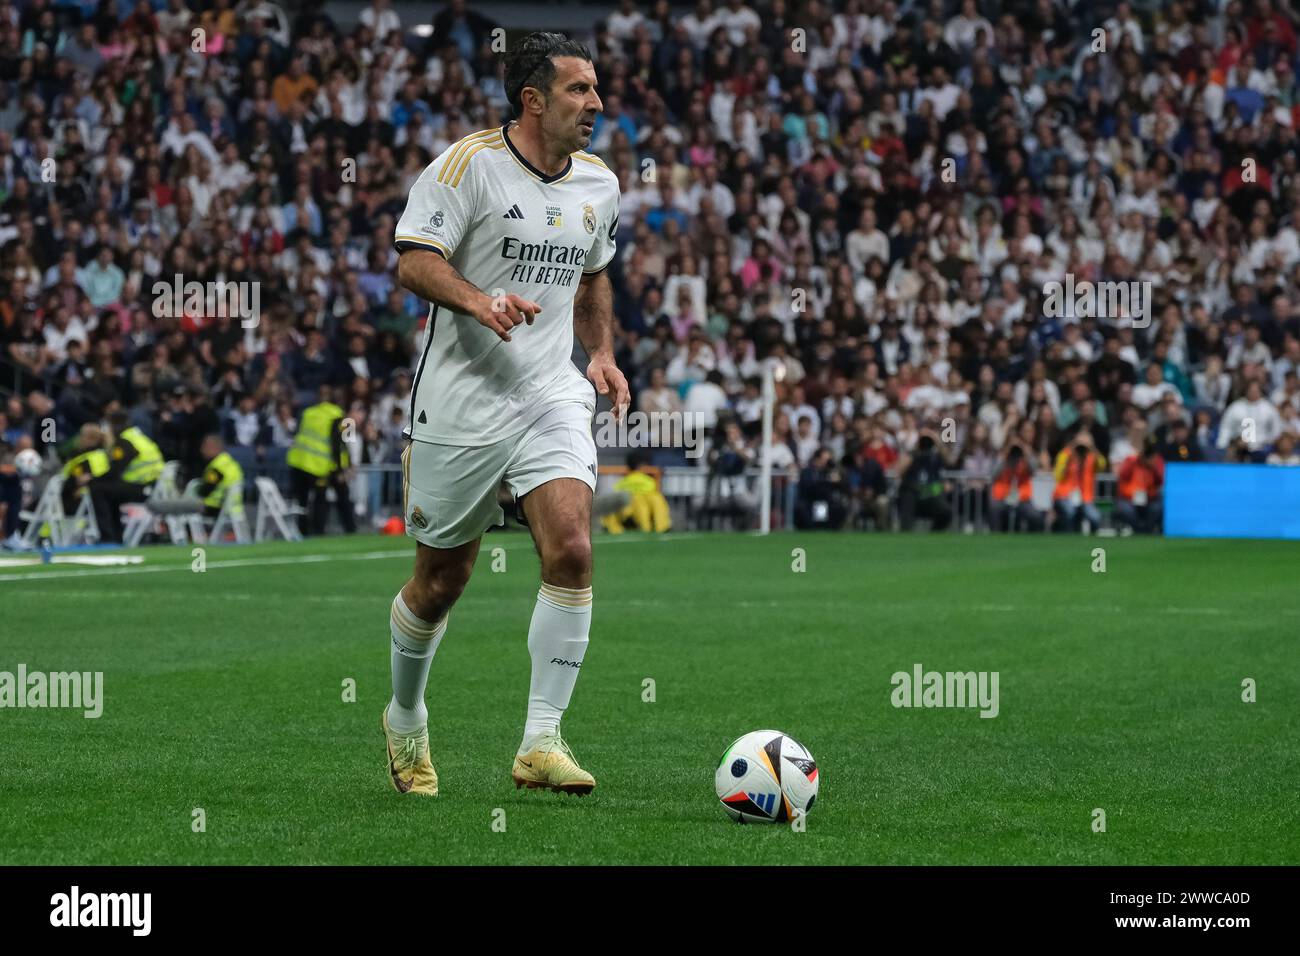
{"x": 533, "y": 170}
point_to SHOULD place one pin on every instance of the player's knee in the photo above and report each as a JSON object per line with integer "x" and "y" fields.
{"x": 432, "y": 596}
{"x": 568, "y": 561}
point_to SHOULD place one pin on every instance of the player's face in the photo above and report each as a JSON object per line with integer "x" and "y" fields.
{"x": 569, "y": 114}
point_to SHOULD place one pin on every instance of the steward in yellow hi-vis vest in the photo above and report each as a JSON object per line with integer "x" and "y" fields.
{"x": 646, "y": 509}
{"x": 315, "y": 449}
{"x": 319, "y": 461}
{"x": 84, "y": 474}
{"x": 89, "y": 465}
{"x": 134, "y": 463}
{"x": 143, "y": 458}
{"x": 221, "y": 474}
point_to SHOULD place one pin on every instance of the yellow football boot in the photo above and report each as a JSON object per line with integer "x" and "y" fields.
{"x": 550, "y": 765}
{"x": 409, "y": 766}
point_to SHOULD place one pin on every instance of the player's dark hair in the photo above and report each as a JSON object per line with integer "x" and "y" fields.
{"x": 530, "y": 64}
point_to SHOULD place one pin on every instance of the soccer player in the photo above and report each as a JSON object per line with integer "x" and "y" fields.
{"x": 508, "y": 234}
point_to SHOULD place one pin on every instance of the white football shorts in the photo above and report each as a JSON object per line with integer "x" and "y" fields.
{"x": 449, "y": 492}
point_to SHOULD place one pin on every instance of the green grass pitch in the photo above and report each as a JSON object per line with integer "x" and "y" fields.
{"x": 223, "y": 690}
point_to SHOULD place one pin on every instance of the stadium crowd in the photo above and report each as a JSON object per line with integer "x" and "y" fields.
{"x": 872, "y": 195}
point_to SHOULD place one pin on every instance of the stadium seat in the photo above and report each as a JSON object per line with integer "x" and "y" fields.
{"x": 47, "y": 513}
{"x": 232, "y": 518}
{"x": 143, "y": 518}
{"x": 48, "y": 519}
{"x": 139, "y": 519}
{"x": 274, "y": 513}
{"x": 82, "y": 527}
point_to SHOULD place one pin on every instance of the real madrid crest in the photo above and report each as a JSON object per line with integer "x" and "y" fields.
{"x": 418, "y": 519}
{"x": 589, "y": 218}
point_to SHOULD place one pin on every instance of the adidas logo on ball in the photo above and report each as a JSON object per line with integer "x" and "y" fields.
{"x": 766, "y": 777}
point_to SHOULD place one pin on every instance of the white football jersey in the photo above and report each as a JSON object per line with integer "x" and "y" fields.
{"x": 508, "y": 229}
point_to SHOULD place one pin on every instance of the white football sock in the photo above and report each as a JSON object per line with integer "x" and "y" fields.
{"x": 414, "y": 643}
{"x": 557, "y": 642}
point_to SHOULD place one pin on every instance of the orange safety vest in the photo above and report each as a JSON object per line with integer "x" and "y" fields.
{"x": 1135, "y": 476}
{"x": 1071, "y": 478}
{"x": 1024, "y": 481}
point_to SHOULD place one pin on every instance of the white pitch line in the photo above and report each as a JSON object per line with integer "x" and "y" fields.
{"x": 233, "y": 563}
{"x": 91, "y": 594}
{"x": 801, "y": 605}
{"x": 294, "y": 559}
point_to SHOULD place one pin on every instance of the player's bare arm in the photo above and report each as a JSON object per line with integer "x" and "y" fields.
{"x": 436, "y": 280}
{"x": 593, "y": 323}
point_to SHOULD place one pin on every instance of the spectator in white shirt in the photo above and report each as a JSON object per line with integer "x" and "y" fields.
{"x": 707, "y": 185}
{"x": 693, "y": 284}
{"x": 623, "y": 22}
{"x": 782, "y": 457}
{"x": 1153, "y": 389}
{"x": 866, "y": 242}
{"x": 181, "y": 132}
{"x": 232, "y": 173}
{"x": 961, "y": 29}
{"x": 1214, "y": 385}
{"x": 1130, "y": 442}
{"x": 694, "y": 363}
{"x": 381, "y": 19}
{"x": 705, "y": 399}
{"x": 839, "y": 401}
{"x": 1123, "y": 22}
{"x": 1251, "y": 418}
{"x": 246, "y": 422}
{"x": 798, "y": 407}
{"x": 806, "y": 441}
{"x": 175, "y": 17}
{"x": 700, "y": 23}
{"x": 738, "y": 18}
{"x": 925, "y": 396}
{"x": 62, "y": 329}
{"x": 1250, "y": 349}
{"x": 1286, "y": 397}
{"x": 940, "y": 91}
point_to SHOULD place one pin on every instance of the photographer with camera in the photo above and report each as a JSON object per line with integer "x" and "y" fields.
{"x": 1075, "y": 494}
{"x": 727, "y": 491}
{"x": 868, "y": 489}
{"x": 922, "y": 491}
{"x": 821, "y": 497}
{"x": 1012, "y": 493}
{"x": 1140, "y": 505}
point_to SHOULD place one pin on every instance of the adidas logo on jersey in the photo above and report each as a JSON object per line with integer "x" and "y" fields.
{"x": 513, "y": 213}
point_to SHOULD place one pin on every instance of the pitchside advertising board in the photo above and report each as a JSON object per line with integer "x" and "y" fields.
{"x": 1232, "y": 501}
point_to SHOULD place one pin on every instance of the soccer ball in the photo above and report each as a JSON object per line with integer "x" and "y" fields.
{"x": 766, "y": 777}
{"x": 28, "y": 463}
